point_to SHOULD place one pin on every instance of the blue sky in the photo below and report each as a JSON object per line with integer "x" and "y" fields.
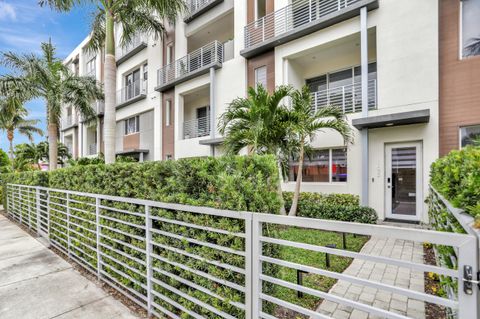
{"x": 24, "y": 25}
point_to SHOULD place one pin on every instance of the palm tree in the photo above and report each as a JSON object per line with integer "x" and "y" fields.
{"x": 260, "y": 124}
{"x": 13, "y": 119}
{"x": 33, "y": 154}
{"x": 305, "y": 123}
{"x": 48, "y": 78}
{"x": 473, "y": 48}
{"x": 132, "y": 17}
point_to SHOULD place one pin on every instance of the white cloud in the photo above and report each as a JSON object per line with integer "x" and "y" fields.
{"x": 7, "y": 12}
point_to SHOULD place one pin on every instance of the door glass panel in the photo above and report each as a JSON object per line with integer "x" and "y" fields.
{"x": 404, "y": 181}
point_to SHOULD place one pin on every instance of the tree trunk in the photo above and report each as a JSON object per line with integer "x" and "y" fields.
{"x": 109, "y": 126}
{"x": 296, "y": 195}
{"x": 279, "y": 189}
{"x": 52, "y": 146}
{"x": 10, "y": 140}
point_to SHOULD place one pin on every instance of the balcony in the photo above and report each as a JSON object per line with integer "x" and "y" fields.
{"x": 348, "y": 97}
{"x": 196, "y": 8}
{"x": 132, "y": 93}
{"x": 298, "y": 19}
{"x": 91, "y": 73}
{"x": 192, "y": 65}
{"x": 69, "y": 121}
{"x": 138, "y": 43}
{"x": 196, "y": 128}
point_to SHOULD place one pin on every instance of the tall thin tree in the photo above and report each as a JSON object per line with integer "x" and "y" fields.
{"x": 129, "y": 18}
{"x": 46, "y": 77}
{"x": 304, "y": 123}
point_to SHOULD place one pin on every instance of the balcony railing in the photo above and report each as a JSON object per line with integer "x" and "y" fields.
{"x": 295, "y": 15}
{"x": 92, "y": 73}
{"x": 138, "y": 42}
{"x": 92, "y": 149}
{"x": 195, "y": 7}
{"x": 196, "y": 127}
{"x": 348, "y": 97}
{"x": 132, "y": 92}
{"x": 68, "y": 121}
{"x": 207, "y": 56}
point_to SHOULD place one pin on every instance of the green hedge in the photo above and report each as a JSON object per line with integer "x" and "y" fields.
{"x": 457, "y": 177}
{"x": 344, "y": 207}
{"x": 235, "y": 183}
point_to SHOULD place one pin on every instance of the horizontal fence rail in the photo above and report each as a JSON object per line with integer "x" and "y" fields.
{"x": 295, "y": 15}
{"x": 183, "y": 261}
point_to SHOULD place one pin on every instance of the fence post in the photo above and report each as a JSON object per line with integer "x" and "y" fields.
{"x": 68, "y": 224}
{"x": 468, "y": 303}
{"x": 248, "y": 266}
{"x": 97, "y": 222}
{"x": 19, "y": 201}
{"x": 256, "y": 267}
{"x": 37, "y": 205}
{"x": 148, "y": 252}
{"x": 29, "y": 210}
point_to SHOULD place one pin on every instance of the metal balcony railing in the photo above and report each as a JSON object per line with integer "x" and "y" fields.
{"x": 196, "y": 127}
{"x": 204, "y": 57}
{"x": 132, "y": 91}
{"x": 69, "y": 120}
{"x": 348, "y": 97}
{"x": 92, "y": 149}
{"x": 92, "y": 73}
{"x": 295, "y": 15}
{"x": 137, "y": 41}
{"x": 193, "y": 6}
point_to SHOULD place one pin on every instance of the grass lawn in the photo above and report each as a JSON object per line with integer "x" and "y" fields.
{"x": 314, "y": 259}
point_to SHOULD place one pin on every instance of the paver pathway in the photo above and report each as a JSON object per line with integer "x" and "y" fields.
{"x": 388, "y": 274}
{"x": 35, "y": 283}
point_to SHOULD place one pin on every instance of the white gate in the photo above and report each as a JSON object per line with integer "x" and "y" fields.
{"x": 160, "y": 257}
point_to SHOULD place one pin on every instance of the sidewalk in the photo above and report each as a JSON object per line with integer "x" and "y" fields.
{"x": 36, "y": 283}
{"x": 392, "y": 275}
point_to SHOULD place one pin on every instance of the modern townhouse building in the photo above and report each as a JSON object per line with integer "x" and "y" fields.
{"x": 376, "y": 59}
{"x": 459, "y": 69}
{"x": 83, "y": 137}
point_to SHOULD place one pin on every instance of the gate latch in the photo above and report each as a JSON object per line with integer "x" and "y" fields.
{"x": 468, "y": 280}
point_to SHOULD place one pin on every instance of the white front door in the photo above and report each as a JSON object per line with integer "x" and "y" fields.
{"x": 403, "y": 181}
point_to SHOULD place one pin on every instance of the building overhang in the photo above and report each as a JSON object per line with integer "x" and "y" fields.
{"x": 133, "y": 151}
{"x": 133, "y": 52}
{"x": 68, "y": 127}
{"x": 188, "y": 76}
{"x": 202, "y": 10}
{"x": 140, "y": 97}
{"x": 395, "y": 119}
{"x": 212, "y": 141}
{"x": 328, "y": 20}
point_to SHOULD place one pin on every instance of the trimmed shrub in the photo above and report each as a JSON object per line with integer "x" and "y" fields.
{"x": 457, "y": 177}
{"x": 343, "y": 207}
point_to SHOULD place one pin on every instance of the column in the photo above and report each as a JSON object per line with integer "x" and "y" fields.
{"x": 364, "y": 132}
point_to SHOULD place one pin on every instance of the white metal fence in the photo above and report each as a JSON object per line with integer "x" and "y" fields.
{"x": 165, "y": 258}
{"x": 297, "y": 14}
{"x": 196, "y": 127}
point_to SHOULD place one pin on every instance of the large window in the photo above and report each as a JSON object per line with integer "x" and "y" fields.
{"x": 322, "y": 166}
{"x": 90, "y": 67}
{"x": 261, "y": 76}
{"x": 470, "y": 27}
{"x": 469, "y": 134}
{"x": 132, "y": 125}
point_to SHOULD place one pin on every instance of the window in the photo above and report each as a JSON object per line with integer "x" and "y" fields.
{"x": 145, "y": 72}
{"x": 90, "y": 67}
{"x": 261, "y": 76}
{"x": 469, "y": 134}
{"x": 470, "y": 28}
{"x": 132, "y": 85}
{"x": 169, "y": 53}
{"x": 322, "y": 166}
{"x": 132, "y": 125}
{"x": 168, "y": 112}
{"x": 260, "y": 8}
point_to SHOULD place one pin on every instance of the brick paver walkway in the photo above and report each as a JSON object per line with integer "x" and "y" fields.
{"x": 388, "y": 274}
